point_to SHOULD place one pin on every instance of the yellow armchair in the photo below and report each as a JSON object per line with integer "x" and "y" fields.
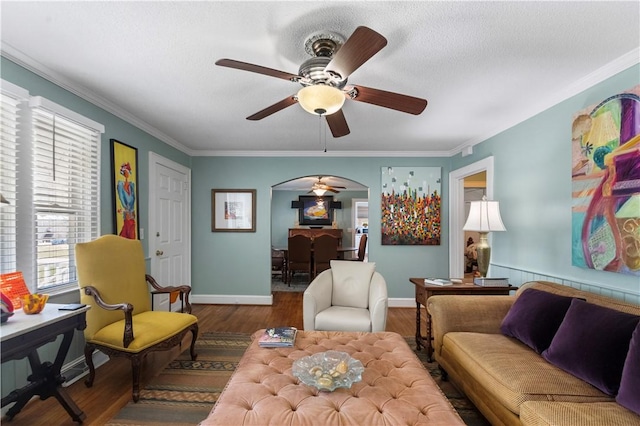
{"x": 113, "y": 281}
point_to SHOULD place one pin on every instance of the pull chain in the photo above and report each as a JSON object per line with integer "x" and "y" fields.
{"x": 325, "y": 136}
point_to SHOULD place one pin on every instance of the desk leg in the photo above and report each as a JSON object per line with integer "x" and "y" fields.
{"x": 429, "y": 346}
{"x": 45, "y": 381}
{"x": 418, "y": 335}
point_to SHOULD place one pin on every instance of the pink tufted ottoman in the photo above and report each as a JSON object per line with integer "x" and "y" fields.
{"x": 395, "y": 388}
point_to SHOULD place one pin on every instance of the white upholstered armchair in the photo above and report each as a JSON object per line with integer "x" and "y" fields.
{"x": 351, "y": 296}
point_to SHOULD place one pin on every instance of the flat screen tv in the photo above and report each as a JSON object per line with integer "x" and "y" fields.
{"x": 315, "y": 210}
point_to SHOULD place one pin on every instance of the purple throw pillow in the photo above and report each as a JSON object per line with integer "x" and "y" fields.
{"x": 592, "y": 344}
{"x": 629, "y": 393}
{"x": 535, "y": 317}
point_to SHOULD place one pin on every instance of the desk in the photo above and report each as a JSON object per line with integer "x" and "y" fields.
{"x": 425, "y": 291}
{"x": 22, "y": 335}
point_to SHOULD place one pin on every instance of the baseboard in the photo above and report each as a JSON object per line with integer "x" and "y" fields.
{"x": 230, "y": 299}
{"x": 224, "y": 299}
{"x": 78, "y": 368}
{"x": 402, "y": 302}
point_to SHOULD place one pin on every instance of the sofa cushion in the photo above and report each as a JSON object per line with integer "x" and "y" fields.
{"x": 351, "y": 282}
{"x": 535, "y": 317}
{"x": 592, "y": 344}
{"x": 629, "y": 393}
{"x": 510, "y": 372}
{"x": 546, "y": 413}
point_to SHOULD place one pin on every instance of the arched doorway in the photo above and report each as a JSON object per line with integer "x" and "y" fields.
{"x": 285, "y": 213}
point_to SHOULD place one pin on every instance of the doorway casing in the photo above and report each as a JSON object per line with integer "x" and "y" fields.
{"x": 456, "y": 210}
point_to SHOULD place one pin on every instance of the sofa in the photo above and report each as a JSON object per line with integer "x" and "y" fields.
{"x": 549, "y": 354}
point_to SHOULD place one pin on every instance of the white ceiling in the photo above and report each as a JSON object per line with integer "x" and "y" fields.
{"x": 483, "y": 66}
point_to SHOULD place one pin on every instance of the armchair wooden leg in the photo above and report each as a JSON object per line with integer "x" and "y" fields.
{"x": 88, "y": 358}
{"x": 136, "y": 362}
{"x": 194, "y": 332}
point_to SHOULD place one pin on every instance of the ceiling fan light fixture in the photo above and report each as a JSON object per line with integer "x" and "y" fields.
{"x": 320, "y": 99}
{"x": 319, "y": 192}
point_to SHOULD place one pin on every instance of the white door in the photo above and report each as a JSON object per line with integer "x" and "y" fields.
{"x": 169, "y": 226}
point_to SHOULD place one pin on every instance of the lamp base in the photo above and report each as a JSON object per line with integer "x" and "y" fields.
{"x": 484, "y": 254}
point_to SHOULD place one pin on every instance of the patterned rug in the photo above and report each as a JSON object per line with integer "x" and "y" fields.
{"x": 185, "y": 391}
{"x": 299, "y": 283}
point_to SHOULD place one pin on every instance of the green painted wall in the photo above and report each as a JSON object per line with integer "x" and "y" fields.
{"x": 220, "y": 259}
{"x": 533, "y": 184}
{"x": 115, "y": 128}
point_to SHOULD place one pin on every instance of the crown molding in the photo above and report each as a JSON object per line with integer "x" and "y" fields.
{"x": 14, "y": 55}
{"x": 317, "y": 154}
{"x": 609, "y": 70}
{"x": 618, "y": 65}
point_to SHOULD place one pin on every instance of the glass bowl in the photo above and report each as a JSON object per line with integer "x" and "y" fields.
{"x": 328, "y": 370}
{"x": 34, "y": 303}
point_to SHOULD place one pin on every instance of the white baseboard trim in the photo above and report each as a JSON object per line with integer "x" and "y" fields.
{"x": 225, "y": 299}
{"x": 230, "y": 299}
{"x": 402, "y": 302}
{"x": 78, "y": 368}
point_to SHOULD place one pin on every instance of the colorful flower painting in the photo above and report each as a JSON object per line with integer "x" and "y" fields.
{"x": 606, "y": 185}
{"x": 411, "y": 205}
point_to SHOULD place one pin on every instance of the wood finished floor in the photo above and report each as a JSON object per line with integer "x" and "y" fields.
{"x": 112, "y": 388}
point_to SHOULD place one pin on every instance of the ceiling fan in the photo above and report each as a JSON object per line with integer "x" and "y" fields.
{"x": 319, "y": 188}
{"x": 324, "y": 79}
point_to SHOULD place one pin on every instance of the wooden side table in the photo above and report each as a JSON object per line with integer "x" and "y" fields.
{"x": 425, "y": 291}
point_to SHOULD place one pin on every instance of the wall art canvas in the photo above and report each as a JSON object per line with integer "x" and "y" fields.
{"x": 124, "y": 172}
{"x": 411, "y": 205}
{"x": 606, "y": 185}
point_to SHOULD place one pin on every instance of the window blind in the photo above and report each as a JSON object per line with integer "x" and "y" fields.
{"x": 66, "y": 159}
{"x": 12, "y": 103}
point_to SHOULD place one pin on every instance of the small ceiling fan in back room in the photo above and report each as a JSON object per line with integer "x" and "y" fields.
{"x": 324, "y": 79}
{"x": 319, "y": 188}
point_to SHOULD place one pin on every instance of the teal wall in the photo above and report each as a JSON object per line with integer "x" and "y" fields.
{"x": 533, "y": 184}
{"x": 115, "y": 128}
{"x": 220, "y": 259}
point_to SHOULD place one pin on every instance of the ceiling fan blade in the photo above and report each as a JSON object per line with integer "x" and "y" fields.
{"x": 230, "y": 63}
{"x": 358, "y": 49}
{"x": 403, "y": 103}
{"x": 288, "y": 101}
{"x": 338, "y": 124}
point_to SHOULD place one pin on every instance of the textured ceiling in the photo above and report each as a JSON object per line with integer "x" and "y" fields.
{"x": 483, "y": 66}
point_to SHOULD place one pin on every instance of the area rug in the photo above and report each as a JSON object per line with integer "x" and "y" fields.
{"x": 299, "y": 283}
{"x": 185, "y": 391}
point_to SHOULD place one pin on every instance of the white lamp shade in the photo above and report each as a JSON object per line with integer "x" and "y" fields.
{"x": 320, "y": 99}
{"x": 484, "y": 216}
{"x": 319, "y": 192}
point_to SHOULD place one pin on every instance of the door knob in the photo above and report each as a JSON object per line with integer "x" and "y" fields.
{"x": 159, "y": 252}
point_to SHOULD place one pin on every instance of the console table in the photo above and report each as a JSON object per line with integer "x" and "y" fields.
{"x": 22, "y": 335}
{"x": 425, "y": 291}
{"x": 313, "y": 233}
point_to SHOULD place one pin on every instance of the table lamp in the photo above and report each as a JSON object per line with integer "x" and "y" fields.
{"x": 484, "y": 217}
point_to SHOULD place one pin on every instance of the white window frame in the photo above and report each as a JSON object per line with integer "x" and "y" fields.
{"x": 19, "y": 237}
{"x": 13, "y": 120}
{"x": 56, "y": 193}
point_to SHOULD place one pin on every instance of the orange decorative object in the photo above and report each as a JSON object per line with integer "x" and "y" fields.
{"x": 34, "y": 303}
{"x": 14, "y": 287}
